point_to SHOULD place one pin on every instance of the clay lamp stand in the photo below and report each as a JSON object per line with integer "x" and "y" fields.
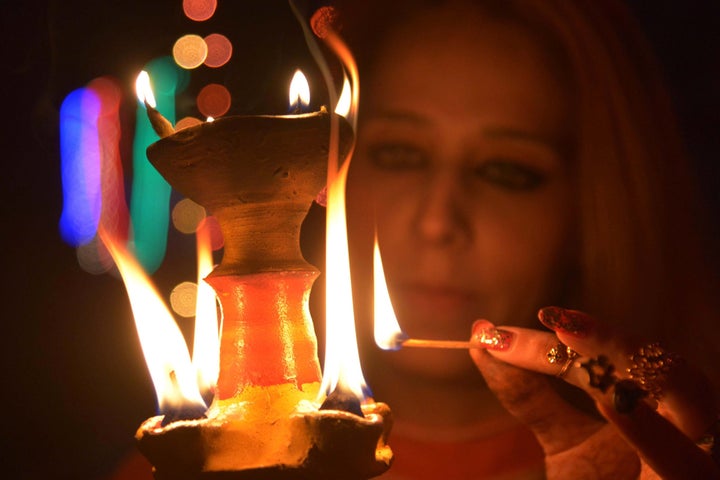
{"x": 258, "y": 175}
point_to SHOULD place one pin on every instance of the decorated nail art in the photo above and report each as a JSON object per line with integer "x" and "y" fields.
{"x": 561, "y": 320}
{"x": 493, "y": 338}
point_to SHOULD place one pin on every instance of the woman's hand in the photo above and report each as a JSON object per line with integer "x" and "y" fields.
{"x": 648, "y": 431}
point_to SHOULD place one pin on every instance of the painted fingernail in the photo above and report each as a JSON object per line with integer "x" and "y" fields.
{"x": 627, "y": 396}
{"x": 572, "y": 322}
{"x": 492, "y": 338}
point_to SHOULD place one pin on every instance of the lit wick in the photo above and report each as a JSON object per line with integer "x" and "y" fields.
{"x": 160, "y": 124}
{"x": 343, "y": 399}
{"x": 183, "y": 411}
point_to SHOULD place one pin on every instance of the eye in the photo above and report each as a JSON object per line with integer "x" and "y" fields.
{"x": 510, "y": 174}
{"x": 393, "y": 156}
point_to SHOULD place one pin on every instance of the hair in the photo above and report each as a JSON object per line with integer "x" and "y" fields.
{"x": 643, "y": 260}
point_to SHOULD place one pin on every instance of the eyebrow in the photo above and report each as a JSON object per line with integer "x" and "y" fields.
{"x": 395, "y": 115}
{"x": 502, "y": 133}
{"x": 522, "y": 135}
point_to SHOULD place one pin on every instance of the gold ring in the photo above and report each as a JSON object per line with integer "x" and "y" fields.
{"x": 561, "y": 353}
{"x": 650, "y": 365}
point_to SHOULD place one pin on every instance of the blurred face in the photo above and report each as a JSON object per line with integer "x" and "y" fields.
{"x": 461, "y": 154}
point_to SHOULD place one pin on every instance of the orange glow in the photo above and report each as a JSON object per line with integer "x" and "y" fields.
{"x": 219, "y": 50}
{"x": 299, "y": 91}
{"x": 213, "y": 100}
{"x": 206, "y": 346}
{"x": 143, "y": 89}
{"x": 161, "y": 340}
{"x": 386, "y": 328}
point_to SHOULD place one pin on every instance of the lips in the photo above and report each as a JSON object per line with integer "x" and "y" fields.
{"x": 439, "y": 311}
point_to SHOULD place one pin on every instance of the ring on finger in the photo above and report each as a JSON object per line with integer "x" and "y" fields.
{"x": 650, "y": 366}
{"x": 562, "y": 355}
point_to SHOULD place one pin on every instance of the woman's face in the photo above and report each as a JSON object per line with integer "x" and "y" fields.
{"x": 462, "y": 154}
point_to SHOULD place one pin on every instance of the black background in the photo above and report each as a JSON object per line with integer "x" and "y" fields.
{"x": 75, "y": 386}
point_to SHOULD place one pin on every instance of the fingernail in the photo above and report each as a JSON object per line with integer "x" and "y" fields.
{"x": 485, "y": 333}
{"x": 627, "y": 396}
{"x": 572, "y": 322}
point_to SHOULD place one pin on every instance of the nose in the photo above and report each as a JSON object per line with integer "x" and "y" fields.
{"x": 441, "y": 218}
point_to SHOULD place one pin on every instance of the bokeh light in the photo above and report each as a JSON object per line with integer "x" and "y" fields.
{"x": 150, "y": 197}
{"x": 199, "y": 10}
{"x": 219, "y": 50}
{"x": 190, "y": 51}
{"x": 213, "y": 100}
{"x": 187, "y": 215}
{"x": 94, "y": 258}
{"x": 114, "y": 215}
{"x": 186, "y": 122}
{"x": 323, "y": 20}
{"x": 216, "y": 237}
{"x": 183, "y": 298}
{"x": 80, "y": 166}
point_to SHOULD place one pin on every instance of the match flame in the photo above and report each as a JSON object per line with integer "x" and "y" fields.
{"x": 388, "y": 334}
{"x": 206, "y": 343}
{"x": 299, "y": 91}
{"x": 143, "y": 89}
{"x": 161, "y": 340}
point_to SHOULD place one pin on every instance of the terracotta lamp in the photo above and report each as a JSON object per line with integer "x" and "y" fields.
{"x": 258, "y": 175}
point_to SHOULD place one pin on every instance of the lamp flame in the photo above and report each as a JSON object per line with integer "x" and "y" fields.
{"x": 342, "y": 359}
{"x": 161, "y": 340}
{"x": 143, "y": 89}
{"x": 299, "y": 91}
{"x": 387, "y": 331}
{"x": 342, "y": 367}
{"x": 344, "y": 104}
{"x": 206, "y": 340}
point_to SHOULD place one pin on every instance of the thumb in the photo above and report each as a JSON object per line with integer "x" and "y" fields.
{"x": 530, "y": 398}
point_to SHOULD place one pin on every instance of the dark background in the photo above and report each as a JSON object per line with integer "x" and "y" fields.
{"x": 75, "y": 383}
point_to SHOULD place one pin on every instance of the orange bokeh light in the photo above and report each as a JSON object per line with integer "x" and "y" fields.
{"x": 199, "y": 10}
{"x": 190, "y": 51}
{"x": 219, "y": 50}
{"x": 213, "y": 100}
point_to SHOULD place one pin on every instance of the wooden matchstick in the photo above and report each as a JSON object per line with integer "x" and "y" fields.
{"x": 419, "y": 343}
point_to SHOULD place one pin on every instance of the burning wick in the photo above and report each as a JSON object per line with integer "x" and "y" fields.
{"x": 143, "y": 89}
{"x": 183, "y": 411}
{"x": 488, "y": 337}
{"x": 343, "y": 399}
{"x": 160, "y": 124}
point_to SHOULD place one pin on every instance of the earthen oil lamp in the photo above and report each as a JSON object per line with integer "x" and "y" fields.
{"x": 258, "y": 175}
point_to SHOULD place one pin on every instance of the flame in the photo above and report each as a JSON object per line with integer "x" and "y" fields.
{"x": 161, "y": 340}
{"x": 143, "y": 89}
{"x": 342, "y": 360}
{"x": 344, "y": 104}
{"x": 206, "y": 343}
{"x": 299, "y": 91}
{"x": 388, "y": 333}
